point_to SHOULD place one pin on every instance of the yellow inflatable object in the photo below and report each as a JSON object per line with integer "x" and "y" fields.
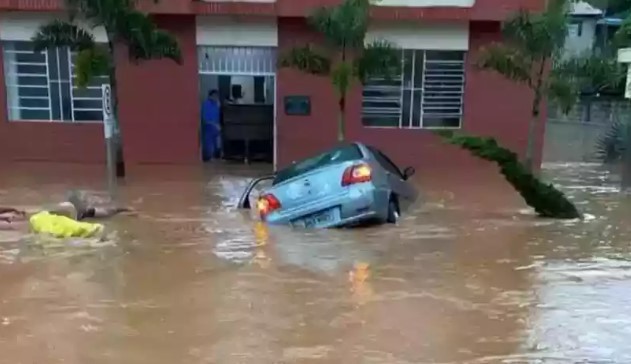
{"x": 63, "y": 227}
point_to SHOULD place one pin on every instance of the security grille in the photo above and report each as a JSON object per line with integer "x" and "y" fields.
{"x": 42, "y": 86}
{"x": 427, "y": 94}
{"x": 253, "y": 61}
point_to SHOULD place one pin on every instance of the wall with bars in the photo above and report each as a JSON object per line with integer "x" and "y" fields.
{"x": 160, "y": 111}
{"x": 159, "y": 108}
{"x": 37, "y": 102}
{"x": 493, "y": 106}
{"x": 42, "y": 86}
{"x": 428, "y": 93}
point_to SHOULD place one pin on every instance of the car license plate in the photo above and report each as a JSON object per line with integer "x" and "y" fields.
{"x": 319, "y": 219}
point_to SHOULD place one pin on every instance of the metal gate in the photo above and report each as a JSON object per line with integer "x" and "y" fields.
{"x": 250, "y": 61}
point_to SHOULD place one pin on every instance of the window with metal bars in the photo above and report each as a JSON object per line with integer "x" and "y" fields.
{"x": 41, "y": 86}
{"x": 427, "y": 94}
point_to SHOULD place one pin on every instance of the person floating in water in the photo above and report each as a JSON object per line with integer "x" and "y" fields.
{"x": 211, "y": 127}
{"x": 62, "y": 220}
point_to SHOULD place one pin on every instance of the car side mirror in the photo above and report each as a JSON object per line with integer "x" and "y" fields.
{"x": 408, "y": 172}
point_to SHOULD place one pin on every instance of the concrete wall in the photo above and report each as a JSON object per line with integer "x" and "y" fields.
{"x": 572, "y": 141}
{"x": 573, "y": 137}
{"x": 228, "y": 31}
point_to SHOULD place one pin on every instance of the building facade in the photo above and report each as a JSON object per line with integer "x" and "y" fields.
{"x": 45, "y": 117}
{"x": 582, "y": 29}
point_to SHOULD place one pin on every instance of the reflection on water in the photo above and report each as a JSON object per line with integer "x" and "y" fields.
{"x": 469, "y": 276}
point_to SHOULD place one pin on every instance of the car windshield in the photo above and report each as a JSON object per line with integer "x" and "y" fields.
{"x": 337, "y": 155}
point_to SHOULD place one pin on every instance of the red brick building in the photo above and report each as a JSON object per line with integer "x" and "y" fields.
{"x": 44, "y": 118}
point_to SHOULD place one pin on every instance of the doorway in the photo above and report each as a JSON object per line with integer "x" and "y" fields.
{"x": 245, "y": 80}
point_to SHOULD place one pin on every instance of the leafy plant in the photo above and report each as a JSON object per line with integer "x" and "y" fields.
{"x": 534, "y": 42}
{"x": 612, "y": 144}
{"x": 123, "y": 24}
{"x": 544, "y": 198}
{"x": 346, "y": 57}
{"x": 622, "y": 38}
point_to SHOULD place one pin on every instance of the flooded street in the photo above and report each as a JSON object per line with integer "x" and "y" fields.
{"x": 469, "y": 276}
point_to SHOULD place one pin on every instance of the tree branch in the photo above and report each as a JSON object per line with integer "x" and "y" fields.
{"x": 378, "y": 59}
{"x": 583, "y": 73}
{"x": 92, "y": 62}
{"x": 307, "y": 60}
{"x": 343, "y": 25}
{"x": 144, "y": 40}
{"x": 507, "y": 61}
{"x": 59, "y": 33}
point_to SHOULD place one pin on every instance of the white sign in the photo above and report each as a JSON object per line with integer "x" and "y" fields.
{"x": 108, "y": 113}
{"x": 624, "y": 57}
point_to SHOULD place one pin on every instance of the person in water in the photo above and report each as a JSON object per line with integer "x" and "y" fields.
{"x": 65, "y": 219}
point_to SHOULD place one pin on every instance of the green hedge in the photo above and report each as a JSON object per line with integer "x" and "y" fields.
{"x": 544, "y": 198}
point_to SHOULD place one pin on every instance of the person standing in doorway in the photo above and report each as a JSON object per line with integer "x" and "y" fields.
{"x": 211, "y": 126}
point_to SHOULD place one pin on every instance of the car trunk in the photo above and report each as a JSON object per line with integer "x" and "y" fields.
{"x": 306, "y": 188}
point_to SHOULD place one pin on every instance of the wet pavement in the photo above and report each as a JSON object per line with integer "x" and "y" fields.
{"x": 469, "y": 276}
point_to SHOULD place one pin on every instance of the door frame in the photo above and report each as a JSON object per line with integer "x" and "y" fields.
{"x": 274, "y": 105}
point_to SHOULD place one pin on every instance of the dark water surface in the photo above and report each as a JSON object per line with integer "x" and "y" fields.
{"x": 469, "y": 276}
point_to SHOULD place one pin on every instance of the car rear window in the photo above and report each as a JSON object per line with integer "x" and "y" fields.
{"x": 337, "y": 155}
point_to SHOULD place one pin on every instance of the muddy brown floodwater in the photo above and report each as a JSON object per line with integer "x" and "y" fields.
{"x": 469, "y": 276}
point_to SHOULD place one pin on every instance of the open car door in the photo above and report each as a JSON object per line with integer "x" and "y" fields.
{"x": 244, "y": 201}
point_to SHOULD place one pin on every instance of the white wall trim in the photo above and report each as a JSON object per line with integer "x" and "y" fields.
{"x": 228, "y": 31}
{"x": 22, "y": 25}
{"x": 422, "y": 36}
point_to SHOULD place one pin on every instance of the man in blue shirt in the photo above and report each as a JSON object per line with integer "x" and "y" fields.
{"x": 211, "y": 127}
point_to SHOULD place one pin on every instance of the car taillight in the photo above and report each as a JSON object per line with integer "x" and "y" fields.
{"x": 266, "y": 204}
{"x": 357, "y": 174}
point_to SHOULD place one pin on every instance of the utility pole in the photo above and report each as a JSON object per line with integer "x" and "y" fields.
{"x": 110, "y": 140}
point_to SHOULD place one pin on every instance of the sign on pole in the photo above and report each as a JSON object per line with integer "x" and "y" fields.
{"x": 108, "y": 113}
{"x": 624, "y": 57}
{"x": 627, "y": 90}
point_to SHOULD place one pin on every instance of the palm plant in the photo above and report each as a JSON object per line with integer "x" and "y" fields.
{"x": 347, "y": 57}
{"x": 532, "y": 43}
{"x": 622, "y": 38}
{"x": 123, "y": 24}
{"x": 612, "y": 144}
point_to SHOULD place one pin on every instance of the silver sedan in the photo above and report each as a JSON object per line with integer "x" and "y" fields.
{"x": 347, "y": 185}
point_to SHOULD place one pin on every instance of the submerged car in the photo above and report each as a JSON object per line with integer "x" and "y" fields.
{"x": 347, "y": 185}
